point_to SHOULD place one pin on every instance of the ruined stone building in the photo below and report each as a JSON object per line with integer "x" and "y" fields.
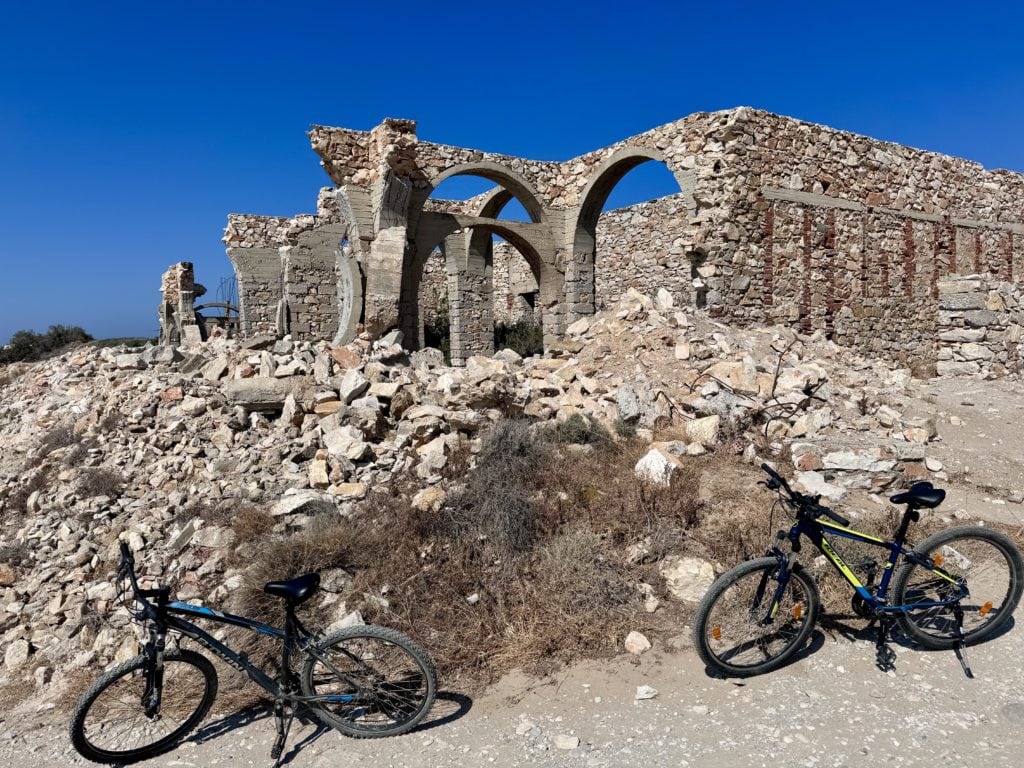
{"x": 775, "y": 221}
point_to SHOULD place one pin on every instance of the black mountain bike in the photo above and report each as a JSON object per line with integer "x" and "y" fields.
{"x": 364, "y": 681}
{"x": 954, "y": 589}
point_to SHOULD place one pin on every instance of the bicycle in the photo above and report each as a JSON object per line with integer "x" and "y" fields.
{"x": 956, "y": 588}
{"x": 364, "y": 681}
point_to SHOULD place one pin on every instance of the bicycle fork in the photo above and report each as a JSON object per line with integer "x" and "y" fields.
{"x": 154, "y": 674}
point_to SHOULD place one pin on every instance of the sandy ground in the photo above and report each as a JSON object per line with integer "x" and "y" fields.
{"x": 831, "y": 707}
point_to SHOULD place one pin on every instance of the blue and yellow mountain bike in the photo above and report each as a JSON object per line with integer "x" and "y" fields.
{"x": 364, "y": 681}
{"x": 954, "y": 589}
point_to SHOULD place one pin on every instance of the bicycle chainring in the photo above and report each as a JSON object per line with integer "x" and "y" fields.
{"x": 861, "y": 608}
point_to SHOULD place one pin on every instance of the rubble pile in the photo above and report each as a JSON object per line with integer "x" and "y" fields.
{"x": 151, "y": 446}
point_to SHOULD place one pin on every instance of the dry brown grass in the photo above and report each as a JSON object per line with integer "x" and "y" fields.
{"x": 538, "y": 532}
{"x": 527, "y": 564}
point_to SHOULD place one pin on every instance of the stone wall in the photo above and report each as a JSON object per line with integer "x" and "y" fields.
{"x": 979, "y": 326}
{"x": 851, "y": 236}
{"x": 253, "y": 247}
{"x": 776, "y": 221}
{"x": 178, "y": 292}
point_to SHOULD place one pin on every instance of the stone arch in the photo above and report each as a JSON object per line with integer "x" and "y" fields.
{"x": 466, "y": 245}
{"x": 504, "y": 177}
{"x": 580, "y": 274}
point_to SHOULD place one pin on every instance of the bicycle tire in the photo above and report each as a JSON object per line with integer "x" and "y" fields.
{"x": 722, "y": 636}
{"x": 88, "y": 725}
{"x": 994, "y": 575}
{"x": 402, "y": 699}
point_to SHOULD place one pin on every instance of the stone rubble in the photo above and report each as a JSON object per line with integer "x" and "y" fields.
{"x": 307, "y": 429}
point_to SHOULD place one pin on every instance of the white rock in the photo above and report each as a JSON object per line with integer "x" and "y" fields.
{"x": 704, "y": 431}
{"x": 687, "y": 578}
{"x": 657, "y": 466}
{"x": 636, "y": 643}
{"x": 565, "y": 741}
{"x": 645, "y": 692}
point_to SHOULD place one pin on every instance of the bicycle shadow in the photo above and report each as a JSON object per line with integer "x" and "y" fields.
{"x": 815, "y": 643}
{"x": 448, "y": 707}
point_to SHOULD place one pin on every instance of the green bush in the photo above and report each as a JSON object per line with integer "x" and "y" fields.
{"x": 29, "y": 345}
{"x": 580, "y": 430}
{"x": 524, "y": 337}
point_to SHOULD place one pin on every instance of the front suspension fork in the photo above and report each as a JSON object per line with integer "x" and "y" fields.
{"x": 154, "y": 652}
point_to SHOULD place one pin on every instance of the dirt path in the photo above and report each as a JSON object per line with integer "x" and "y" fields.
{"x": 830, "y": 708}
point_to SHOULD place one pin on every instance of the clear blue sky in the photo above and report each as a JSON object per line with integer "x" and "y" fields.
{"x": 128, "y": 131}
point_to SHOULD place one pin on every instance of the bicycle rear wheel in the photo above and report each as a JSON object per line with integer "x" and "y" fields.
{"x": 990, "y": 568}
{"x": 110, "y": 724}
{"x": 739, "y": 632}
{"x": 369, "y": 681}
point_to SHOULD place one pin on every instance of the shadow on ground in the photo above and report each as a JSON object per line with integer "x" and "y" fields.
{"x": 448, "y": 707}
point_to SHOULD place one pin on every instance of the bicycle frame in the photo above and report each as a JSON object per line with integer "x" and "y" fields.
{"x": 294, "y": 637}
{"x": 815, "y": 529}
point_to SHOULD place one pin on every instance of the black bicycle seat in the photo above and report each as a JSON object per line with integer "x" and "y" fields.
{"x": 922, "y": 494}
{"x": 296, "y": 590}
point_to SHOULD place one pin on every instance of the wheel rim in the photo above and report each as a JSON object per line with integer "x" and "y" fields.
{"x": 117, "y": 724}
{"x": 382, "y": 686}
{"x": 740, "y": 632}
{"x": 983, "y": 567}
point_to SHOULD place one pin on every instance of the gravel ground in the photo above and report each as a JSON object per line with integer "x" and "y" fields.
{"x": 832, "y": 707}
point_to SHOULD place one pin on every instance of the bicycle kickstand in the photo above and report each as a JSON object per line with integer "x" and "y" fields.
{"x": 284, "y": 724}
{"x": 961, "y": 648}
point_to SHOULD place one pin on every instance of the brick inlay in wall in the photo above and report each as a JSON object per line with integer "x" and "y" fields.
{"x": 769, "y": 255}
{"x": 865, "y": 261}
{"x": 909, "y": 257}
{"x": 805, "y": 294}
{"x": 951, "y": 242}
{"x": 1009, "y": 257}
{"x": 831, "y": 305}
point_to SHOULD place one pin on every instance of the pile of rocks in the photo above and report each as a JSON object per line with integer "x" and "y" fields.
{"x": 151, "y": 446}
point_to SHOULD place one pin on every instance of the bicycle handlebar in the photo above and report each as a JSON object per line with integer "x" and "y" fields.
{"x": 807, "y": 504}
{"x": 127, "y": 569}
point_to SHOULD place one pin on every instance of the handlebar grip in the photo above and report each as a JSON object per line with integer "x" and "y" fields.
{"x": 830, "y": 514}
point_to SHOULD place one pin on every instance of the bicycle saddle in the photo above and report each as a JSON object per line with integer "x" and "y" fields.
{"x": 922, "y": 494}
{"x": 295, "y": 591}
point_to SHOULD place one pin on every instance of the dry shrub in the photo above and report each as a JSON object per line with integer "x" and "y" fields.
{"x": 97, "y": 481}
{"x": 532, "y": 561}
{"x": 37, "y": 481}
{"x": 60, "y": 436}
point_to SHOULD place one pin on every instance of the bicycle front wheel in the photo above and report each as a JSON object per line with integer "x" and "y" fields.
{"x": 369, "y": 681}
{"x": 741, "y": 631}
{"x": 110, "y": 724}
{"x": 980, "y": 561}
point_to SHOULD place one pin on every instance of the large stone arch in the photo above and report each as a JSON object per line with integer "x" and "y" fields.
{"x": 581, "y": 223}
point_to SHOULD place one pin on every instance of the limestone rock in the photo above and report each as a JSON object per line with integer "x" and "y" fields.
{"x": 687, "y": 578}
{"x": 636, "y": 643}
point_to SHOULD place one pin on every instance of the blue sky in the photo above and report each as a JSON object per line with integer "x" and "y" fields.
{"x": 128, "y": 131}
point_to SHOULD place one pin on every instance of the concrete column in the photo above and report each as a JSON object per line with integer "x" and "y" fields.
{"x": 470, "y": 300}
{"x": 259, "y": 277}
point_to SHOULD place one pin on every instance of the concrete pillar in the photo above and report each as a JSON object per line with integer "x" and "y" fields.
{"x": 259, "y": 277}
{"x": 470, "y": 300}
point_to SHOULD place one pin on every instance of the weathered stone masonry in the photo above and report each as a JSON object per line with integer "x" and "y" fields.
{"x": 776, "y": 220}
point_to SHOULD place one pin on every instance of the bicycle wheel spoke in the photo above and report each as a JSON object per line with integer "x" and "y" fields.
{"x": 111, "y": 723}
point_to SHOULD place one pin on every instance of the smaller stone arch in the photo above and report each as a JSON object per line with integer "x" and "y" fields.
{"x": 581, "y": 229}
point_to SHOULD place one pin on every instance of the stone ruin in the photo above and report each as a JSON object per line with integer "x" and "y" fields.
{"x": 179, "y": 291}
{"x": 909, "y": 255}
